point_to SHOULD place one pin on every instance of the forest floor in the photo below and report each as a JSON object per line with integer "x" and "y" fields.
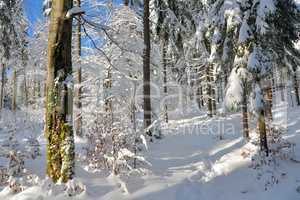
{"x": 198, "y": 158}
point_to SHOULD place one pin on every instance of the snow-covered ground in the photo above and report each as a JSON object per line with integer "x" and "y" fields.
{"x": 191, "y": 162}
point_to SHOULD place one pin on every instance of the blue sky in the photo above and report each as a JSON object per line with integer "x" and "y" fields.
{"x": 33, "y": 9}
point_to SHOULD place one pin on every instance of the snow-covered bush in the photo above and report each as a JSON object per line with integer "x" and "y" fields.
{"x": 113, "y": 146}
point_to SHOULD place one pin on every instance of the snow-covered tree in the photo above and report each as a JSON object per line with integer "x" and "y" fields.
{"x": 10, "y": 31}
{"x": 116, "y": 127}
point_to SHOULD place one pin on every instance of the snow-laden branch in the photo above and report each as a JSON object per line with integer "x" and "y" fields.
{"x": 74, "y": 12}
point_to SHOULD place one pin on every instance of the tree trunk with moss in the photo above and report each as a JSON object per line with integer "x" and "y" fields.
{"x": 58, "y": 130}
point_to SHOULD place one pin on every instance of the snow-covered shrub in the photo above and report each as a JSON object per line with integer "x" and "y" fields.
{"x": 112, "y": 145}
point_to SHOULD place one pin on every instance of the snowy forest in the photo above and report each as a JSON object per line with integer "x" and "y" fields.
{"x": 150, "y": 100}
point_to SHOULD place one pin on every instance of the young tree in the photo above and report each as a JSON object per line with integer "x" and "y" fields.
{"x": 59, "y": 131}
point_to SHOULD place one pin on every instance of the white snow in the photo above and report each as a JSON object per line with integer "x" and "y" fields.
{"x": 190, "y": 163}
{"x": 234, "y": 92}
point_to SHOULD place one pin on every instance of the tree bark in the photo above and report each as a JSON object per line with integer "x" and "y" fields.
{"x": 2, "y": 85}
{"x": 25, "y": 89}
{"x": 245, "y": 112}
{"x": 58, "y": 130}
{"x": 209, "y": 94}
{"x": 213, "y": 94}
{"x": 164, "y": 62}
{"x": 14, "y": 99}
{"x": 296, "y": 88}
{"x": 78, "y": 119}
{"x": 107, "y": 92}
{"x": 263, "y": 133}
{"x": 199, "y": 96}
{"x": 146, "y": 68}
{"x": 269, "y": 98}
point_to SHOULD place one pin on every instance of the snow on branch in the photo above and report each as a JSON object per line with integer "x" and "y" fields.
{"x": 74, "y": 11}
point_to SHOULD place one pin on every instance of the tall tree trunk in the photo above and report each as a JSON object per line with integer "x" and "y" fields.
{"x": 25, "y": 89}
{"x": 262, "y": 123}
{"x": 146, "y": 68}
{"x": 107, "y": 91}
{"x": 269, "y": 98}
{"x": 296, "y": 88}
{"x": 245, "y": 112}
{"x": 58, "y": 130}
{"x": 213, "y": 94}
{"x": 14, "y": 99}
{"x": 78, "y": 119}
{"x": 199, "y": 96}
{"x": 164, "y": 62}
{"x": 2, "y": 85}
{"x": 263, "y": 132}
{"x": 209, "y": 94}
